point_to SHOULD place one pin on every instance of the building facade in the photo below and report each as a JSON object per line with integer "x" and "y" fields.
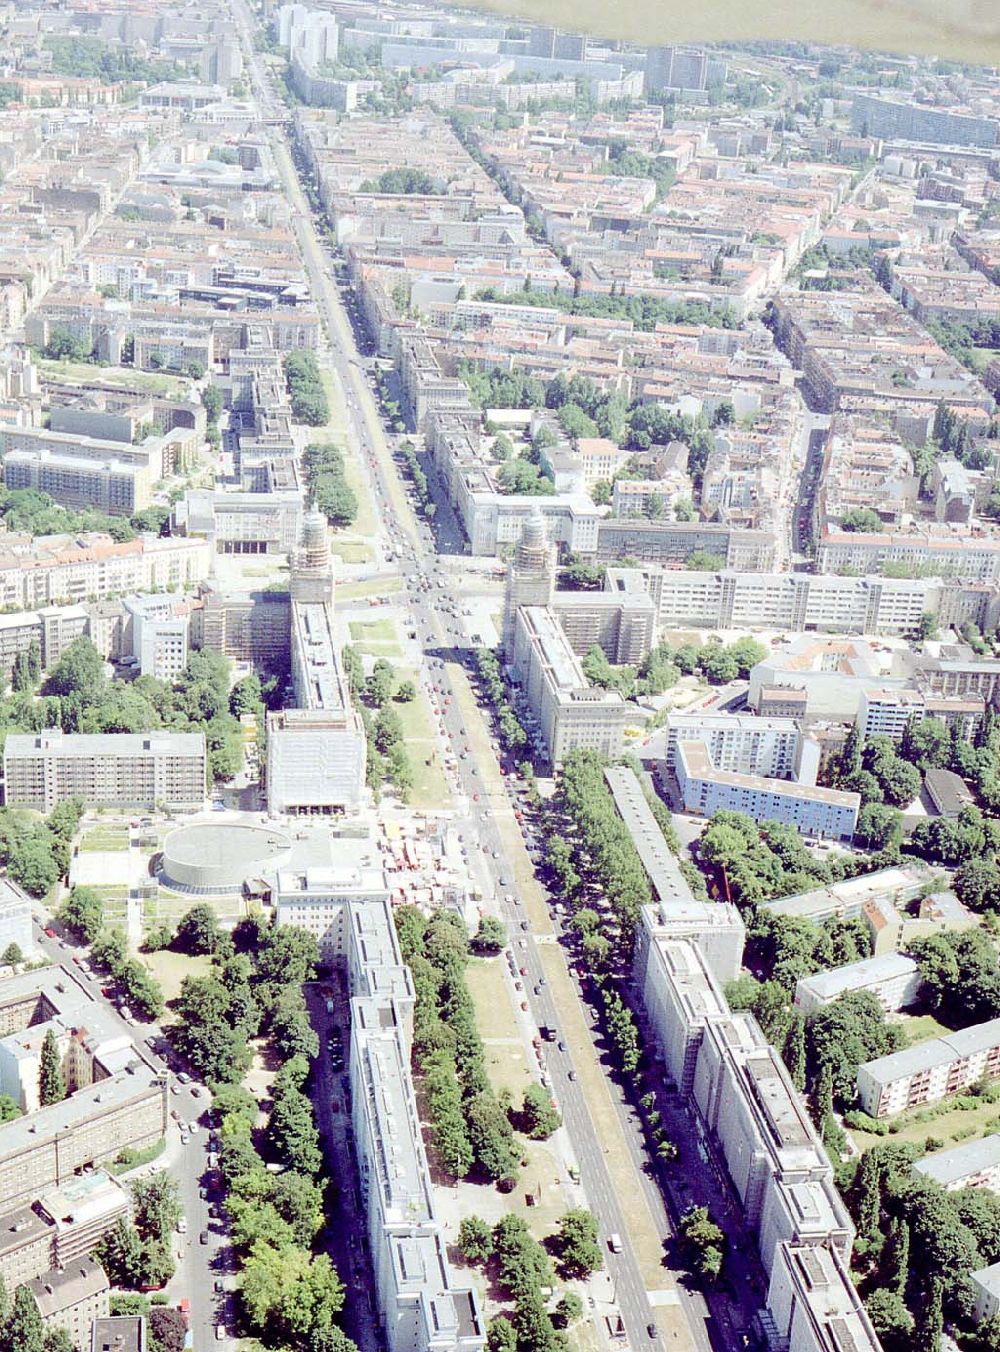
{"x": 109, "y": 769}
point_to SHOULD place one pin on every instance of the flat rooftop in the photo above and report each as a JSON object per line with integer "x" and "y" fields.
{"x": 659, "y": 861}
{"x": 322, "y": 684}
{"x": 957, "y": 1164}
{"x": 698, "y": 765}
{"x": 87, "y": 744}
{"x": 857, "y": 975}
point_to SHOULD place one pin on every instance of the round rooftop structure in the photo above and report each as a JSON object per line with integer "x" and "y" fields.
{"x": 212, "y": 858}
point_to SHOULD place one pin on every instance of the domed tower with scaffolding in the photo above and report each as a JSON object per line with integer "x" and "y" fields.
{"x": 531, "y": 578}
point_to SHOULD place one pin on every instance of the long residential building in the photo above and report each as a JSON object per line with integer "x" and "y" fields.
{"x": 829, "y": 814}
{"x": 887, "y": 712}
{"x": 421, "y": 1305}
{"x": 973, "y": 1164}
{"x": 92, "y": 1126}
{"x": 893, "y": 978}
{"x": 778, "y": 1167}
{"x": 799, "y": 602}
{"x": 741, "y": 743}
{"x": 571, "y": 712}
{"x": 108, "y": 769}
{"x": 55, "y": 570}
{"x": 954, "y": 552}
{"x": 930, "y": 1071}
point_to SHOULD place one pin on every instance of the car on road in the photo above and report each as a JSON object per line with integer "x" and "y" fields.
{"x": 50, "y": 932}
{"x": 203, "y": 1237}
{"x": 563, "y": 1047}
{"x": 651, "y": 1330}
{"x": 571, "y": 1075}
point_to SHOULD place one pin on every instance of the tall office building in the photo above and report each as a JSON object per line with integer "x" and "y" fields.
{"x": 531, "y": 578}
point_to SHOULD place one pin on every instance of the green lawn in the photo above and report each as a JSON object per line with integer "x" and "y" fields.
{"x": 430, "y": 787}
{"x": 359, "y": 591}
{"x": 104, "y": 838}
{"x": 170, "y": 969}
{"x": 922, "y": 1027}
{"x": 953, "y": 1128}
{"x": 351, "y": 551}
{"x": 373, "y": 631}
{"x": 120, "y": 377}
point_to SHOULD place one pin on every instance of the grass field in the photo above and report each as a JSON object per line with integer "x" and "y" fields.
{"x": 104, "y": 837}
{"x": 922, "y": 1027}
{"x": 373, "y": 631}
{"x": 359, "y": 591}
{"x": 430, "y": 787}
{"x": 953, "y": 1128}
{"x": 122, "y": 377}
{"x": 170, "y": 969}
{"x": 351, "y": 551}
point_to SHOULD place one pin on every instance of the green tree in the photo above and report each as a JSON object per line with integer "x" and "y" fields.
{"x": 156, "y": 1206}
{"x": 289, "y": 1293}
{"x": 892, "y": 1320}
{"x": 80, "y": 671}
{"x": 491, "y": 936}
{"x": 879, "y": 826}
{"x": 291, "y": 1133}
{"x": 51, "y": 1081}
{"x": 579, "y": 1252}
{"x": 491, "y": 1136}
{"x": 25, "y": 1331}
{"x": 198, "y": 930}
{"x": 538, "y": 1113}
{"x": 475, "y": 1239}
{"x": 861, "y": 519}
{"x": 569, "y": 1309}
{"x": 501, "y": 1335}
{"x": 82, "y": 913}
{"x": 120, "y": 1254}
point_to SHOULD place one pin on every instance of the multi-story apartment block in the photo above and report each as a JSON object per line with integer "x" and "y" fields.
{"x": 92, "y": 1126}
{"x": 741, "y": 743}
{"x": 829, "y": 814}
{"x": 158, "y": 632}
{"x": 887, "y": 712}
{"x": 55, "y": 570}
{"x": 72, "y": 1298}
{"x": 893, "y": 978}
{"x": 25, "y": 1245}
{"x": 798, "y": 602}
{"x": 813, "y": 1305}
{"x": 953, "y": 550}
{"x": 894, "y": 119}
{"x": 930, "y": 1071}
{"x": 110, "y": 769}
{"x": 249, "y": 627}
{"x": 115, "y": 487}
{"x": 973, "y": 1164}
{"x": 423, "y": 1309}
{"x": 571, "y": 712}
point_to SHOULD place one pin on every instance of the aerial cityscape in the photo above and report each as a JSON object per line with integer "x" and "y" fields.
{"x": 500, "y": 713}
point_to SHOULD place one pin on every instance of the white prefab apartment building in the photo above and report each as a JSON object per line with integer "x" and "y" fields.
{"x": 814, "y": 1305}
{"x": 740, "y": 743}
{"x": 929, "y": 1071}
{"x": 974, "y": 1164}
{"x": 893, "y": 978}
{"x": 827, "y": 814}
{"x": 107, "y": 769}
